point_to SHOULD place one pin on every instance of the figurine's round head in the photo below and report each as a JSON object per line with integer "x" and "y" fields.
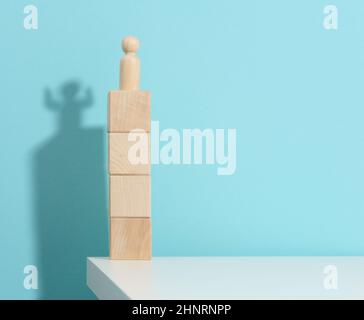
{"x": 130, "y": 44}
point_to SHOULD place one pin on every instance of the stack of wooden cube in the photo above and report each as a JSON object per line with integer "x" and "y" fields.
{"x": 129, "y": 184}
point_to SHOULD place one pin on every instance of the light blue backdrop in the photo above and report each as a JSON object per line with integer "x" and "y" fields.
{"x": 293, "y": 91}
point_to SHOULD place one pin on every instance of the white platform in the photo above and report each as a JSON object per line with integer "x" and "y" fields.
{"x": 227, "y": 278}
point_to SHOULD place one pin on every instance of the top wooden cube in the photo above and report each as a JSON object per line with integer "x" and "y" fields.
{"x": 129, "y": 110}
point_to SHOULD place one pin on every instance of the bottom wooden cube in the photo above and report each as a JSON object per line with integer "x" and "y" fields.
{"x": 130, "y": 238}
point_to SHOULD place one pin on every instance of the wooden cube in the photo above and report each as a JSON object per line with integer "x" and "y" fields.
{"x": 129, "y": 110}
{"x": 122, "y": 152}
{"x": 130, "y": 238}
{"x": 130, "y": 196}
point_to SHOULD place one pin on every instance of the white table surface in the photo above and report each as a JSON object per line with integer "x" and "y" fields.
{"x": 226, "y": 278}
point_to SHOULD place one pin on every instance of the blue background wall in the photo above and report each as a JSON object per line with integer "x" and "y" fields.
{"x": 293, "y": 91}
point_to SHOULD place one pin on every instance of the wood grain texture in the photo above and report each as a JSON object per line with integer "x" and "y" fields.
{"x": 130, "y": 196}
{"x": 128, "y": 110}
{"x": 119, "y": 162}
{"x": 130, "y": 238}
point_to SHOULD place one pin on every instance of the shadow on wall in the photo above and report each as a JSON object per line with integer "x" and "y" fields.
{"x": 70, "y": 196}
